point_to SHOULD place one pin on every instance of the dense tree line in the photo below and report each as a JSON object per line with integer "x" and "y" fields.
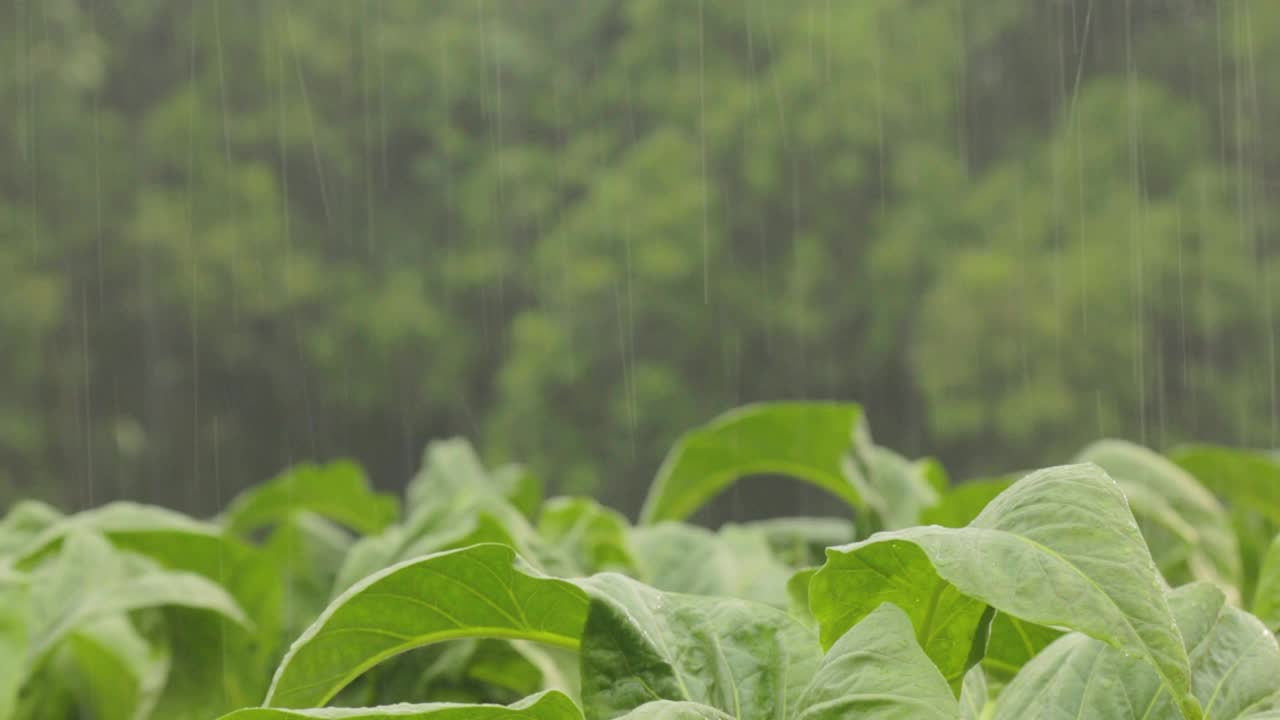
{"x": 236, "y": 234}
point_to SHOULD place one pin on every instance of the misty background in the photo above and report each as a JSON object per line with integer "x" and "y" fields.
{"x": 236, "y": 235}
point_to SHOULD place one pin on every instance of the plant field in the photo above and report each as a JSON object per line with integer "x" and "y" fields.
{"x": 1127, "y": 584}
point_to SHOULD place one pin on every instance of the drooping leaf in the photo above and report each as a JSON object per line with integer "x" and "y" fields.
{"x": 1187, "y": 529}
{"x": 338, "y": 490}
{"x": 807, "y": 441}
{"x": 550, "y": 705}
{"x": 480, "y": 591}
{"x": 641, "y": 645}
{"x": 1058, "y": 548}
{"x": 1247, "y": 478}
{"x": 877, "y": 671}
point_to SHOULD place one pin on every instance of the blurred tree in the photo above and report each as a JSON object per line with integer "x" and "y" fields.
{"x": 235, "y": 234}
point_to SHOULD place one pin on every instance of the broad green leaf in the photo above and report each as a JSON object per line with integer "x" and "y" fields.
{"x": 119, "y": 673}
{"x": 877, "y": 671}
{"x": 14, "y": 631}
{"x": 1078, "y": 677}
{"x": 640, "y": 645}
{"x": 807, "y": 441}
{"x": 1058, "y": 548}
{"x": 593, "y": 535}
{"x": 735, "y": 562}
{"x": 339, "y": 491}
{"x": 1235, "y": 666}
{"x": 1266, "y": 601}
{"x": 180, "y": 543}
{"x": 91, "y": 580}
{"x": 962, "y": 503}
{"x": 481, "y": 591}
{"x": 1187, "y": 529}
{"x": 1247, "y": 478}
{"x": 1234, "y": 660}
{"x": 550, "y": 705}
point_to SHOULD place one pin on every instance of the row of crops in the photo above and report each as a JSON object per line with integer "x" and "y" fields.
{"x": 1127, "y": 584}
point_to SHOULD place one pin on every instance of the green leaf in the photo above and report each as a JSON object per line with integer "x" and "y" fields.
{"x": 673, "y": 710}
{"x": 451, "y": 474}
{"x": 1266, "y": 601}
{"x": 802, "y": 541}
{"x": 893, "y": 568}
{"x": 480, "y": 591}
{"x": 902, "y": 489}
{"x": 593, "y": 535}
{"x": 798, "y": 594}
{"x": 177, "y": 542}
{"x": 549, "y": 705}
{"x": 338, "y": 490}
{"x": 1247, "y": 478}
{"x": 640, "y": 645}
{"x": 975, "y": 694}
{"x": 735, "y": 562}
{"x": 1013, "y": 643}
{"x": 91, "y": 580}
{"x": 1058, "y": 548}
{"x": 877, "y": 671}
{"x": 14, "y": 631}
{"x": 1187, "y": 529}
{"x": 1234, "y": 660}
{"x": 120, "y": 674}
{"x": 521, "y": 488}
{"x": 309, "y": 551}
{"x": 24, "y": 521}
{"x": 960, "y": 505}
{"x": 1078, "y": 677}
{"x": 807, "y": 441}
